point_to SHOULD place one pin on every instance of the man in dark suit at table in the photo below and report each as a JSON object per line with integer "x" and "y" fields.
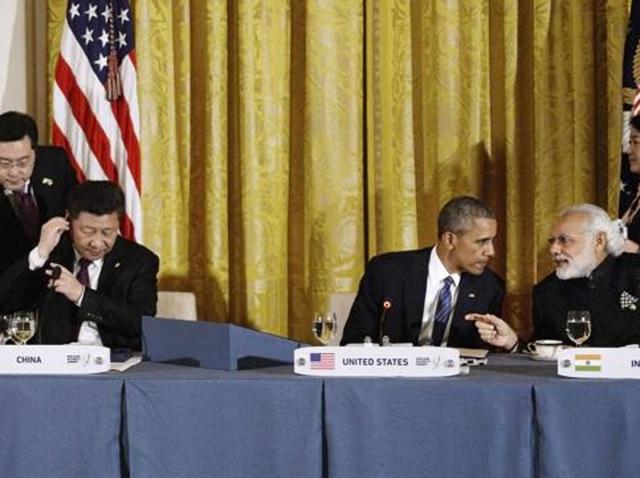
{"x": 35, "y": 181}
{"x": 422, "y": 296}
{"x": 592, "y": 274}
{"x": 91, "y": 284}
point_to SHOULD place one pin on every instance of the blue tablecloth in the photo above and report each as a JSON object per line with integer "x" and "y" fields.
{"x": 588, "y": 428}
{"x": 185, "y": 422}
{"x": 54, "y": 426}
{"x": 455, "y": 427}
{"x": 514, "y": 418}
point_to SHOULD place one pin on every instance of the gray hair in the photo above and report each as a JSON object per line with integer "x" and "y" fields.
{"x": 458, "y": 214}
{"x": 599, "y": 221}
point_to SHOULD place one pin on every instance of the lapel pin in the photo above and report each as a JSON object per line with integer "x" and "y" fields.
{"x": 471, "y": 295}
{"x": 47, "y": 181}
{"x": 628, "y": 301}
{"x": 117, "y": 264}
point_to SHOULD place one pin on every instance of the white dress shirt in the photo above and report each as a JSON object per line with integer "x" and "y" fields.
{"x": 435, "y": 280}
{"x": 88, "y": 333}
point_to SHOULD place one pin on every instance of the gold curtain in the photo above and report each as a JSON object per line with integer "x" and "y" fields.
{"x": 284, "y": 142}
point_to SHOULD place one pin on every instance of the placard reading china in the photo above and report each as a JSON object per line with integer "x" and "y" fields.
{"x": 375, "y": 361}
{"x": 54, "y": 359}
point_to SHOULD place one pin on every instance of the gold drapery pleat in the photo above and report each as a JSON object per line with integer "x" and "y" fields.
{"x": 283, "y": 142}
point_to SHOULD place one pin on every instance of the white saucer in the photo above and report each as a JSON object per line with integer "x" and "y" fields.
{"x": 543, "y": 359}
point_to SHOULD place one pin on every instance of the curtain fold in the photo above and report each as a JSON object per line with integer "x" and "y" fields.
{"x": 326, "y": 227}
{"x": 285, "y": 142}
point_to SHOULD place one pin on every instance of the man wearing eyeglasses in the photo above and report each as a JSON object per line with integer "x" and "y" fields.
{"x": 35, "y": 183}
{"x": 591, "y": 274}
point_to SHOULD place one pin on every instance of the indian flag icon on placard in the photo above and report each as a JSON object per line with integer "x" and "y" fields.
{"x": 588, "y": 362}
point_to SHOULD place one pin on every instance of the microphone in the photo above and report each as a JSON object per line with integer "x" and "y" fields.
{"x": 386, "y": 305}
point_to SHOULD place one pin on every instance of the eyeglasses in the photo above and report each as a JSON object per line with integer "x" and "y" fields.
{"x": 22, "y": 163}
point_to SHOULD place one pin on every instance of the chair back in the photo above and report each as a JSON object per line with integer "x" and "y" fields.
{"x": 176, "y": 305}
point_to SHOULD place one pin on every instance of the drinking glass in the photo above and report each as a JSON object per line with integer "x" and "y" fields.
{"x": 22, "y": 326}
{"x": 578, "y": 326}
{"x": 4, "y": 325}
{"x": 324, "y": 327}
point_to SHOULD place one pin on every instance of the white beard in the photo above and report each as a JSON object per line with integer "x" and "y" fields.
{"x": 581, "y": 265}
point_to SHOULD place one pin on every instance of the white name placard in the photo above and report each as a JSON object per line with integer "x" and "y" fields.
{"x": 375, "y": 361}
{"x": 599, "y": 362}
{"x": 54, "y": 359}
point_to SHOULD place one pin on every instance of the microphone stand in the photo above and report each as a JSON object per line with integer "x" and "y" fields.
{"x": 383, "y": 340}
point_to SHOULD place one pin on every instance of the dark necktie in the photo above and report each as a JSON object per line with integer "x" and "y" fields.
{"x": 83, "y": 277}
{"x": 83, "y": 272}
{"x": 443, "y": 310}
{"x": 27, "y": 211}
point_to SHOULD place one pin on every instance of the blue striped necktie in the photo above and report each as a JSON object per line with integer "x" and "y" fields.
{"x": 443, "y": 311}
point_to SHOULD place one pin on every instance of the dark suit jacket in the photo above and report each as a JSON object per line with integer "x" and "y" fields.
{"x": 401, "y": 277}
{"x": 612, "y": 323}
{"x": 127, "y": 290}
{"x": 52, "y": 179}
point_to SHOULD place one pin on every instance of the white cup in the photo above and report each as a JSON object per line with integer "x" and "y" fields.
{"x": 545, "y": 348}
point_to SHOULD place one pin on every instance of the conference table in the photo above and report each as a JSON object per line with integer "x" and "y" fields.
{"x": 512, "y": 417}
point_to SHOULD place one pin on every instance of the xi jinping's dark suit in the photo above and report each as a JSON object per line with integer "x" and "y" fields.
{"x": 127, "y": 290}
{"x": 401, "y": 277}
{"x": 51, "y": 181}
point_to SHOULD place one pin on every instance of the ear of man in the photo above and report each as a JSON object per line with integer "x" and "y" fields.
{"x": 601, "y": 241}
{"x": 449, "y": 240}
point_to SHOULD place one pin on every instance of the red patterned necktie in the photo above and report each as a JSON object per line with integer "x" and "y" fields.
{"x": 83, "y": 277}
{"x": 27, "y": 211}
{"x": 83, "y": 272}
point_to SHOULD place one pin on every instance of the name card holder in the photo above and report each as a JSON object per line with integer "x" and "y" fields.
{"x": 54, "y": 359}
{"x": 594, "y": 362}
{"x": 376, "y": 361}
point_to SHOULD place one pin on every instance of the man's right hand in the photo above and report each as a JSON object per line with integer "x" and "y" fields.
{"x": 50, "y": 235}
{"x": 494, "y": 331}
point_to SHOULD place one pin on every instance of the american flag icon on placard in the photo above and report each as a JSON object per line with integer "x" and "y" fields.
{"x": 322, "y": 361}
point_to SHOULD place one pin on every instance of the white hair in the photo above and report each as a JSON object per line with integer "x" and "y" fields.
{"x": 615, "y": 230}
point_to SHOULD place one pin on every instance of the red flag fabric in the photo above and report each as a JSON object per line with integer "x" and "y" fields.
{"x": 95, "y": 102}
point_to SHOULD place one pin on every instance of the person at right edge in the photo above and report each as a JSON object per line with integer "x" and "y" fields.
{"x": 631, "y": 218}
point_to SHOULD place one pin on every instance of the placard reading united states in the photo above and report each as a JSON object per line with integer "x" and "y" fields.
{"x": 95, "y": 102}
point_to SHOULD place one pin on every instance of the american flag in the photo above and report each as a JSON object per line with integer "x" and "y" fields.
{"x": 95, "y": 101}
{"x": 631, "y": 103}
{"x": 322, "y": 361}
